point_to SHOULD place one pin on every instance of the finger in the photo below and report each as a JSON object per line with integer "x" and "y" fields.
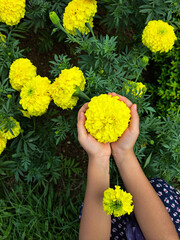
{"x": 122, "y": 98}
{"x": 134, "y": 124}
{"x": 82, "y": 132}
{"x": 82, "y": 109}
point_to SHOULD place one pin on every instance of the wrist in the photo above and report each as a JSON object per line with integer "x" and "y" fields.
{"x": 98, "y": 178}
{"x": 99, "y": 163}
{"x": 122, "y": 155}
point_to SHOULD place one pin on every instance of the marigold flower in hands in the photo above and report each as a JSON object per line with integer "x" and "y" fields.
{"x": 117, "y": 202}
{"x": 15, "y": 129}
{"x": 35, "y": 97}
{"x": 3, "y": 142}
{"x": 21, "y": 72}
{"x": 158, "y": 36}
{"x": 77, "y": 13}
{"x": 11, "y": 11}
{"x": 107, "y": 118}
{"x": 63, "y": 88}
{"x": 138, "y": 88}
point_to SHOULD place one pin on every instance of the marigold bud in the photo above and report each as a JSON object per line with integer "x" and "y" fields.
{"x": 145, "y": 60}
{"x": 54, "y": 18}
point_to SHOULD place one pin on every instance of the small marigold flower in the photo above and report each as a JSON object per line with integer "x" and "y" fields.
{"x": 138, "y": 88}
{"x": 77, "y": 13}
{"x": 11, "y": 11}
{"x": 35, "y": 97}
{"x": 107, "y": 118}
{"x": 158, "y": 36}
{"x": 2, "y": 40}
{"x": 21, "y": 71}
{"x": 15, "y": 129}
{"x": 3, "y": 142}
{"x": 64, "y": 86}
{"x": 117, "y": 202}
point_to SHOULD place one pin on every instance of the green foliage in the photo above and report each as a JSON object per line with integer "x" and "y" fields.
{"x": 167, "y": 75}
{"x": 61, "y": 128}
{"x": 38, "y": 213}
{"x": 165, "y": 161}
{"x": 9, "y": 51}
{"x": 60, "y": 62}
{"x": 37, "y": 18}
{"x": 122, "y": 15}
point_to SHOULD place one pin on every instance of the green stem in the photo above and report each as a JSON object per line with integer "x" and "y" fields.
{"x": 79, "y": 93}
{"x": 90, "y": 28}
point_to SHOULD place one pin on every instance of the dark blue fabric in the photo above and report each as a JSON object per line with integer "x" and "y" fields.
{"x": 127, "y": 228}
{"x": 121, "y": 227}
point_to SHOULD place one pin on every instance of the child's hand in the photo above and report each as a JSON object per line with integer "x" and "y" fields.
{"x": 93, "y": 148}
{"x": 126, "y": 142}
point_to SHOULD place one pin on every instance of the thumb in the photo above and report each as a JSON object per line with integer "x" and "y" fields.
{"x": 134, "y": 124}
{"x": 80, "y": 125}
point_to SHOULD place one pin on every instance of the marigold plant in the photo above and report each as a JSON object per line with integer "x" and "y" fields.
{"x": 7, "y": 133}
{"x": 158, "y": 36}
{"x": 12, "y": 11}
{"x": 117, "y": 202}
{"x": 107, "y": 118}
{"x": 21, "y": 71}
{"x": 64, "y": 86}
{"x": 138, "y": 88}
{"x": 77, "y": 13}
{"x": 35, "y": 97}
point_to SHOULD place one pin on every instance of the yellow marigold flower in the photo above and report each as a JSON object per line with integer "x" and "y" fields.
{"x": 63, "y": 88}
{"x": 138, "y": 88}
{"x": 35, "y": 97}
{"x": 11, "y": 11}
{"x": 3, "y": 142}
{"x": 21, "y": 71}
{"x": 77, "y": 13}
{"x": 158, "y": 36}
{"x": 117, "y": 202}
{"x": 15, "y": 129}
{"x": 2, "y": 40}
{"x": 107, "y": 118}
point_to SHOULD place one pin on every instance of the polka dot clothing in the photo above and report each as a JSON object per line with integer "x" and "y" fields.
{"x": 169, "y": 196}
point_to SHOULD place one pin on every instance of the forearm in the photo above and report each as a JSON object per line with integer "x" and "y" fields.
{"x": 95, "y": 224}
{"x": 149, "y": 210}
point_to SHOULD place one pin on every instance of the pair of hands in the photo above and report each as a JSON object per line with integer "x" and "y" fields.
{"x": 125, "y": 143}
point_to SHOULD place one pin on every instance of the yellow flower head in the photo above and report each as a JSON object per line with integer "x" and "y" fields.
{"x": 77, "y": 13}
{"x": 2, "y": 40}
{"x": 107, "y": 118}
{"x": 11, "y": 11}
{"x": 117, "y": 202}
{"x": 158, "y": 36}
{"x": 137, "y": 88}
{"x": 21, "y": 71}
{"x": 3, "y": 142}
{"x": 63, "y": 88}
{"x": 15, "y": 129}
{"x": 35, "y": 97}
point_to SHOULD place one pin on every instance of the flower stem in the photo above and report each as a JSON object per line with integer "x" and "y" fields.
{"x": 79, "y": 93}
{"x": 90, "y": 28}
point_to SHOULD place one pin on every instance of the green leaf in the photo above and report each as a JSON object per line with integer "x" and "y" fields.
{"x": 147, "y": 160}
